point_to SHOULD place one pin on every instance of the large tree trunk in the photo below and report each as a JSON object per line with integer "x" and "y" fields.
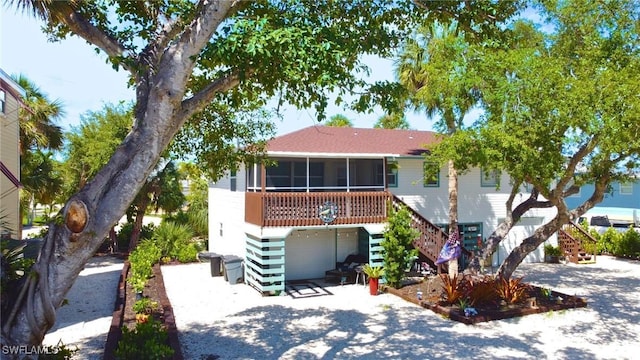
{"x": 530, "y": 244}
{"x": 87, "y": 217}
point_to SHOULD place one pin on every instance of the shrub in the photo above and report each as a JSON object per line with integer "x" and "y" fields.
{"x": 398, "y": 245}
{"x": 145, "y": 306}
{"x": 482, "y": 291}
{"x": 147, "y": 341}
{"x": 511, "y": 290}
{"x": 142, "y": 259}
{"x": 452, "y": 289}
{"x": 627, "y": 244}
{"x": 607, "y": 241}
{"x": 188, "y": 253}
{"x": 171, "y": 238}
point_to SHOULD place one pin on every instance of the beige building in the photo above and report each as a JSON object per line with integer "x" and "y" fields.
{"x": 11, "y": 95}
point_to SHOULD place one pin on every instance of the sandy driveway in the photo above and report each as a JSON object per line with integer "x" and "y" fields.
{"x": 236, "y": 322}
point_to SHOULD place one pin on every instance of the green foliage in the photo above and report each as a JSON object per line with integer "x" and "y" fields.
{"x": 374, "y": 272}
{"x": 511, "y": 290}
{"x": 398, "y": 245}
{"x": 172, "y": 238}
{"x": 142, "y": 259}
{"x": 339, "y": 120}
{"x": 124, "y": 235}
{"x": 148, "y": 341}
{"x": 628, "y": 244}
{"x": 392, "y": 121}
{"x": 91, "y": 144}
{"x": 145, "y": 306}
{"x": 550, "y": 250}
{"x": 188, "y": 253}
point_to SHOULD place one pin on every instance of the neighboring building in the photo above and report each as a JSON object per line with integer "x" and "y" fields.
{"x": 621, "y": 202}
{"x": 11, "y": 95}
{"x": 326, "y": 196}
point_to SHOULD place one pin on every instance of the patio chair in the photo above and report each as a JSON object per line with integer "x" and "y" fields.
{"x": 345, "y": 271}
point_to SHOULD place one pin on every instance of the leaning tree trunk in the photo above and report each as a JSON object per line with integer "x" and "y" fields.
{"x": 87, "y": 217}
{"x": 530, "y": 244}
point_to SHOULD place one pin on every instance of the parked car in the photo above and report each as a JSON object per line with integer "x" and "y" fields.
{"x": 602, "y": 222}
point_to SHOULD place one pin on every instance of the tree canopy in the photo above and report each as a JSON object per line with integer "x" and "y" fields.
{"x": 561, "y": 110}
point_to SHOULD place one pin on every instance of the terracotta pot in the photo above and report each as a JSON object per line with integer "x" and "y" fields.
{"x": 373, "y": 286}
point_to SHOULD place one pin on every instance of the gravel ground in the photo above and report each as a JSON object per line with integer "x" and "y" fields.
{"x": 216, "y": 319}
{"x": 84, "y": 322}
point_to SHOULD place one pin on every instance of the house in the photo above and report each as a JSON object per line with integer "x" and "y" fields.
{"x": 11, "y": 95}
{"x": 621, "y": 203}
{"x": 324, "y": 196}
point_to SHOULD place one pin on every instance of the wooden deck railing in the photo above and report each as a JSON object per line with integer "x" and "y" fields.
{"x": 431, "y": 238}
{"x": 570, "y": 240}
{"x": 301, "y": 209}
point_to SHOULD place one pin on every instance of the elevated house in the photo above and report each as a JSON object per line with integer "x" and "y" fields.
{"x": 324, "y": 196}
{"x": 11, "y": 95}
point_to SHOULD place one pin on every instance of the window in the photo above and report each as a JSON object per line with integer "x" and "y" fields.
{"x": 279, "y": 176}
{"x": 431, "y": 174}
{"x": 233, "y": 180}
{"x": 489, "y": 178}
{"x": 3, "y": 99}
{"x": 392, "y": 174}
{"x": 626, "y": 188}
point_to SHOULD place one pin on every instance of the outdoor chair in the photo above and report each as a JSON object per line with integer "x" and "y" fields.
{"x": 345, "y": 271}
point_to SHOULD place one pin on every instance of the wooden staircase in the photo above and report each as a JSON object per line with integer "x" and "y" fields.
{"x": 570, "y": 240}
{"x": 431, "y": 238}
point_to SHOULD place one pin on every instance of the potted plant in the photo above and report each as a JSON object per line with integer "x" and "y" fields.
{"x": 374, "y": 273}
{"x": 552, "y": 254}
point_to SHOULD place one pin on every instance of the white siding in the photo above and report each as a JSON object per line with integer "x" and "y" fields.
{"x": 226, "y": 216}
{"x": 475, "y": 204}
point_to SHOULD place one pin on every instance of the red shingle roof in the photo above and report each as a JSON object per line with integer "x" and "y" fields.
{"x": 355, "y": 141}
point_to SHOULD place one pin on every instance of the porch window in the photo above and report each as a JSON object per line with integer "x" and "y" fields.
{"x": 489, "y": 178}
{"x": 626, "y": 188}
{"x": 431, "y": 174}
{"x": 279, "y": 176}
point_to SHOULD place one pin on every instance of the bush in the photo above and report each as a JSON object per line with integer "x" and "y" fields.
{"x": 124, "y": 235}
{"x": 147, "y": 341}
{"x": 142, "y": 259}
{"x": 398, "y": 245}
{"x": 607, "y": 241}
{"x": 171, "y": 238}
{"x": 188, "y": 253}
{"x": 627, "y": 244}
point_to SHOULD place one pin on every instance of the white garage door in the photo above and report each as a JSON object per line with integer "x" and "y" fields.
{"x": 308, "y": 254}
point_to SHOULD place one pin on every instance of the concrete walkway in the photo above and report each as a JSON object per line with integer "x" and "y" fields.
{"x": 84, "y": 322}
{"x": 215, "y": 318}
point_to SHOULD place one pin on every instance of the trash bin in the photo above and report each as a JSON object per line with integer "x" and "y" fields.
{"x": 215, "y": 260}
{"x": 233, "y": 271}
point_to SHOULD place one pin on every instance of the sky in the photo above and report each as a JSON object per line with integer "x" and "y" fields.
{"x": 72, "y": 72}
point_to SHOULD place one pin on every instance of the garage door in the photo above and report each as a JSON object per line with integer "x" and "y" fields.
{"x": 308, "y": 254}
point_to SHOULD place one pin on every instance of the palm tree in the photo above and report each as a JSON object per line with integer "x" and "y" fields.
{"x": 37, "y": 121}
{"x": 38, "y": 132}
{"x": 339, "y": 120}
{"x": 434, "y": 66}
{"x": 392, "y": 121}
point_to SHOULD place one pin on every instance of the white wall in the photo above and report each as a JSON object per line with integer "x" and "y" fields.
{"x": 475, "y": 204}
{"x": 226, "y": 213}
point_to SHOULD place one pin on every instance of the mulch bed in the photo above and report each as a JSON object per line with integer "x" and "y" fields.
{"x": 124, "y": 315}
{"x": 432, "y": 287}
